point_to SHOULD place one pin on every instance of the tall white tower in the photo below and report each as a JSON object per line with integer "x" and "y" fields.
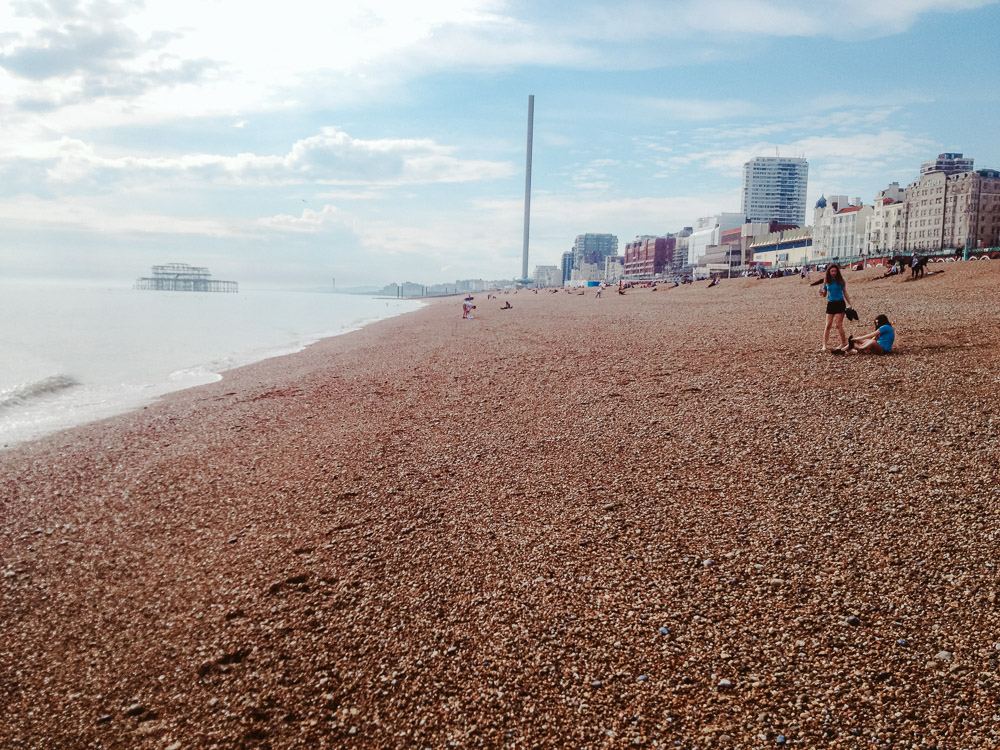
{"x": 527, "y": 187}
{"x": 774, "y": 189}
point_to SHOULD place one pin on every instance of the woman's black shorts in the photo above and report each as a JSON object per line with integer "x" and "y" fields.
{"x": 836, "y": 307}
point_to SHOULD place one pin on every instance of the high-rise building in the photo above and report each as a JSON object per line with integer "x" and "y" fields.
{"x": 948, "y": 163}
{"x": 774, "y": 189}
{"x": 567, "y": 266}
{"x": 593, "y": 248}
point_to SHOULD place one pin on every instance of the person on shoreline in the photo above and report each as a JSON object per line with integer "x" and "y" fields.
{"x": 507, "y": 306}
{"x": 835, "y": 290}
{"x": 879, "y": 341}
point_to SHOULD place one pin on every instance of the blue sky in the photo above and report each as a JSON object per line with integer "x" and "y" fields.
{"x": 383, "y": 140}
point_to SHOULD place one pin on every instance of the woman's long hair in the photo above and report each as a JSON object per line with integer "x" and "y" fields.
{"x": 828, "y": 278}
{"x": 881, "y": 320}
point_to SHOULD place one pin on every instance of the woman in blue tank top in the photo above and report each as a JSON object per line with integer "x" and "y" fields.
{"x": 835, "y": 290}
{"x": 879, "y": 341}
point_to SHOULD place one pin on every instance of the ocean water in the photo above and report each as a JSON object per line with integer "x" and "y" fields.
{"x": 73, "y": 353}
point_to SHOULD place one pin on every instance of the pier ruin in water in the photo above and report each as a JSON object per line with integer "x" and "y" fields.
{"x": 180, "y": 277}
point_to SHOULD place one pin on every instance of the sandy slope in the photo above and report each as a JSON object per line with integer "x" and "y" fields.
{"x": 648, "y": 519}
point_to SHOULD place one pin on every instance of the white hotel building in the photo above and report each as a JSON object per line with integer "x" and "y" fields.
{"x": 774, "y": 189}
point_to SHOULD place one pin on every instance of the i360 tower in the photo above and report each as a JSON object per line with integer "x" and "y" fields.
{"x": 527, "y": 187}
{"x": 774, "y": 189}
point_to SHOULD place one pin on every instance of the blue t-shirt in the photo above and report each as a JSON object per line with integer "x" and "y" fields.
{"x": 834, "y": 292}
{"x": 885, "y": 338}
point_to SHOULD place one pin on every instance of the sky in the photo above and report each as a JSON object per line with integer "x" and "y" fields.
{"x": 290, "y": 144}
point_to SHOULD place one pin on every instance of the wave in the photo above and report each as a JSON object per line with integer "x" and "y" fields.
{"x": 25, "y": 392}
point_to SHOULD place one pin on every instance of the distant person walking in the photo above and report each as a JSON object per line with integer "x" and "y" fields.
{"x": 835, "y": 290}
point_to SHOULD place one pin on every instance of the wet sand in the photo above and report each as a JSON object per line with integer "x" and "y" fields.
{"x": 641, "y": 520}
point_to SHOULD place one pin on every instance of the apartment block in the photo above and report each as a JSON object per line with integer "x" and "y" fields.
{"x": 774, "y": 189}
{"x": 647, "y": 257}
{"x": 953, "y": 211}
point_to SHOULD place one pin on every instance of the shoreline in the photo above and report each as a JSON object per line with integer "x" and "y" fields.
{"x": 90, "y": 402}
{"x": 531, "y": 528}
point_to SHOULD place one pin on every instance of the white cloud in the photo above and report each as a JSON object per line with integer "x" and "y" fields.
{"x": 308, "y": 221}
{"x": 97, "y": 217}
{"x": 331, "y": 157}
{"x": 88, "y": 54}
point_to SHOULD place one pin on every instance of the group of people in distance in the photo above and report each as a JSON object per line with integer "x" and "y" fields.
{"x": 838, "y": 306}
{"x": 838, "y": 303}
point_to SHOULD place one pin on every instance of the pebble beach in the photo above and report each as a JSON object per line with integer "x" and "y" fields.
{"x": 658, "y": 519}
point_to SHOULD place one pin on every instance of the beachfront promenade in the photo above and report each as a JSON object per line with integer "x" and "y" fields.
{"x": 662, "y": 519}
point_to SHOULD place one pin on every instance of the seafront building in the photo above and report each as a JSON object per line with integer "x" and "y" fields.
{"x": 774, "y": 189}
{"x": 567, "y": 266}
{"x": 593, "y": 248}
{"x": 588, "y": 272}
{"x": 950, "y": 207}
{"x": 785, "y": 247}
{"x": 708, "y": 231}
{"x": 547, "y": 276}
{"x": 823, "y": 215}
{"x": 953, "y": 211}
{"x": 847, "y": 231}
{"x": 614, "y": 268}
{"x": 885, "y": 229}
{"x": 648, "y": 257}
{"x": 948, "y": 163}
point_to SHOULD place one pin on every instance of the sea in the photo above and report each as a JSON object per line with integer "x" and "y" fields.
{"x": 73, "y": 352}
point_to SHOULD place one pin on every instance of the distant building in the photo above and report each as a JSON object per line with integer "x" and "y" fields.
{"x": 847, "y": 231}
{"x": 647, "y": 257}
{"x": 680, "y": 260}
{"x": 547, "y": 276}
{"x": 588, "y": 272}
{"x": 727, "y": 253}
{"x": 708, "y": 231}
{"x": 826, "y": 209}
{"x": 614, "y": 268}
{"x": 470, "y": 285}
{"x": 593, "y": 248}
{"x": 567, "y": 266}
{"x": 953, "y": 211}
{"x": 751, "y": 230}
{"x": 885, "y": 229}
{"x": 774, "y": 189}
{"x": 784, "y": 248}
{"x": 947, "y": 163}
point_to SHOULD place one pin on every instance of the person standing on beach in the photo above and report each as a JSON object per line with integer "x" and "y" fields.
{"x": 835, "y": 290}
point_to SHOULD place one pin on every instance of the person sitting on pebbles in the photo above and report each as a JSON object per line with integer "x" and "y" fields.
{"x": 878, "y": 341}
